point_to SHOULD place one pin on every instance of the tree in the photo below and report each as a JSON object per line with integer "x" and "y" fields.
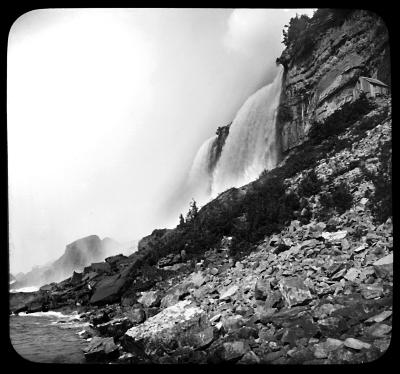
{"x": 181, "y": 220}
{"x": 193, "y": 212}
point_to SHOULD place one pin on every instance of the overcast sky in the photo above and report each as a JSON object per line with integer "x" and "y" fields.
{"x": 107, "y": 109}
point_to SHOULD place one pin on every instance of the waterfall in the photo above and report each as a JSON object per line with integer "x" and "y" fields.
{"x": 250, "y": 146}
{"x": 200, "y": 175}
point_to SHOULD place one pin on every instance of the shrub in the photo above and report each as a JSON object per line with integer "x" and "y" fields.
{"x": 310, "y": 185}
{"x": 339, "y": 198}
{"x": 340, "y": 120}
{"x": 380, "y": 201}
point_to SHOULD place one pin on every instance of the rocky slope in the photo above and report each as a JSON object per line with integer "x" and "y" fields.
{"x": 295, "y": 267}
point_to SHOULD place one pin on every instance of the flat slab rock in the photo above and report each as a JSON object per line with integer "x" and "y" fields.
{"x": 180, "y": 323}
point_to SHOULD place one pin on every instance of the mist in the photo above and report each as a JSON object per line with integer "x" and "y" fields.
{"x": 106, "y": 109}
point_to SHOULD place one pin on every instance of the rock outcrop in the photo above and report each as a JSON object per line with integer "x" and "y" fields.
{"x": 320, "y": 81}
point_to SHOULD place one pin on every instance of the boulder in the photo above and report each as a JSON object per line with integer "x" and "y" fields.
{"x": 150, "y": 299}
{"x": 322, "y": 350}
{"x": 101, "y": 349}
{"x": 171, "y": 328}
{"x": 249, "y": 358}
{"x": 226, "y": 294}
{"x": 76, "y": 278}
{"x": 99, "y": 318}
{"x": 231, "y": 323}
{"x": 378, "y": 330}
{"x": 233, "y": 351}
{"x": 136, "y": 315}
{"x": 109, "y": 289}
{"x": 384, "y": 266}
{"x": 356, "y": 344}
{"x": 262, "y": 289}
{"x": 371, "y": 291}
{"x": 379, "y": 317}
{"x": 100, "y": 267}
{"x": 115, "y": 328}
{"x": 175, "y": 293}
{"x": 352, "y": 274}
{"x": 116, "y": 260}
{"x": 334, "y": 236}
{"x": 294, "y": 291}
{"x": 197, "y": 279}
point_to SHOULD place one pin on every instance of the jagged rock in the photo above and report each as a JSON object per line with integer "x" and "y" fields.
{"x": 371, "y": 291}
{"x": 262, "y": 289}
{"x": 231, "y": 323}
{"x": 334, "y": 236}
{"x": 108, "y": 289}
{"x": 356, "y": 344}
{"x": 249, "y": 358}
{"x": 76, "y": 278}
{"x": 198, "y": 279}
{"x": 203, "y": 338}
{"x": 136, "y": 315}
{"x": 116, "y": 327}
{"x": 171, "y": 327}
{"x": 174, "y": 294}
{"x": 378, "y": 330}
{"x": 379, "y": 317}
{"x": 384, "y": 266}
{"x": 100, "y": 349}
{"x": 322, "y": 350}
{"x": 352, "y": 274}
{"x": 150, "y": 299}
{"x": 169, "y": 260}
{"x": 233, "y": 351}
{"x": 100, "y": 267}
{"x": 116, "y": 260}
{"x": 294, "y": 291}
{"x": 85, "y": 334}
{"x": 228, "y": 293}
{"x": 272, "y": 356}
{"x": 99, "y": 318}
{"x": 215, "y": 318}
{"x": 169, "y": 300}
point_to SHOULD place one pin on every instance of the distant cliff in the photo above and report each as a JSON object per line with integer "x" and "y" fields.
{"x": 77, "y": 255}
{"x": 323, "y": 60}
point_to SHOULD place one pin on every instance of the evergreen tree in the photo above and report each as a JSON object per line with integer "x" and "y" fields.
{"x": 193, "y": 211}
{"x": 181, "y": 220}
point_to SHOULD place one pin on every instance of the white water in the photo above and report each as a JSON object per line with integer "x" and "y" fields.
{"x": 26, "y": 289}
{"x": 50, "y": 314}
{"x": 250, "y": 146}
{"x": 200, "y": 176}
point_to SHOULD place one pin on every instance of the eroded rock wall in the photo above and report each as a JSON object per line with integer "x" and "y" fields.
{"x": 318, "y": 84}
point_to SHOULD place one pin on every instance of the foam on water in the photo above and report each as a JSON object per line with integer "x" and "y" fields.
{"x": 26, "y": 289}
{"x": 50, "y": 313}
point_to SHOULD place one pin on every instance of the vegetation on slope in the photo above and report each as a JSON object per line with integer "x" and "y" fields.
{"x": 269, "y": 204}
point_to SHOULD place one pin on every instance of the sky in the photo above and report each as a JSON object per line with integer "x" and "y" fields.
{"x": 106, "y": 109}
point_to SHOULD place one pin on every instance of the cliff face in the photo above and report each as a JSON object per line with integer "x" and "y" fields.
{"x": 319, "y": 82}
{"x": 77, "y": 255}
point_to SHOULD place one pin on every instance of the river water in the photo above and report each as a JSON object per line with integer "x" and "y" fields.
{"x": 48, "y": 337}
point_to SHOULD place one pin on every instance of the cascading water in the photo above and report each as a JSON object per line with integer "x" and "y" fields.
{"x": 250, "y": 147}
{"x": 200, "y": 176}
